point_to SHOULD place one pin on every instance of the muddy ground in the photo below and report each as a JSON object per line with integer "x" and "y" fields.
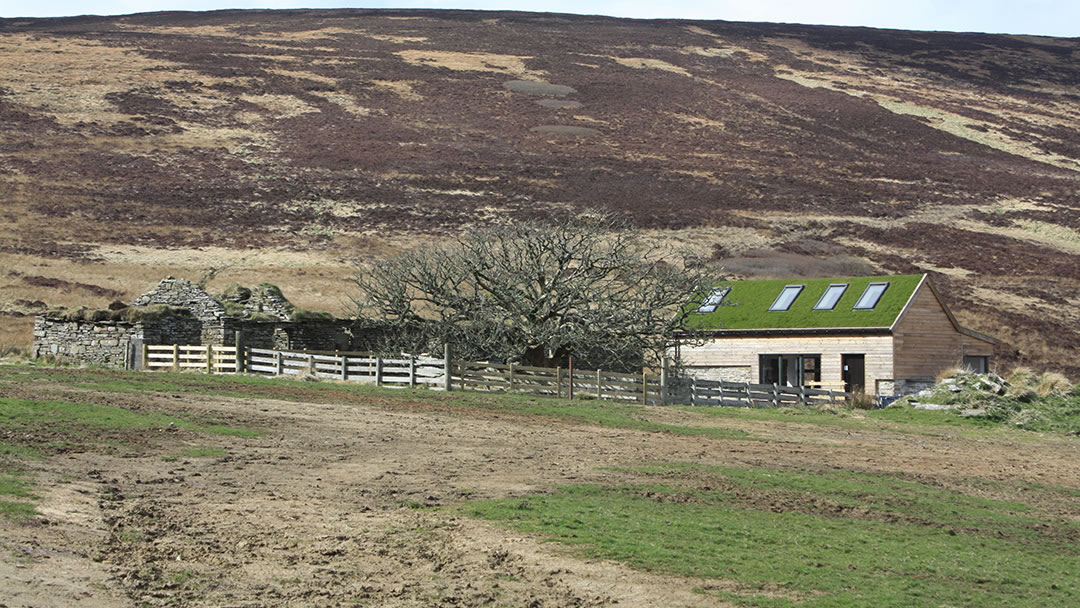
{"x": 343, "y": 504}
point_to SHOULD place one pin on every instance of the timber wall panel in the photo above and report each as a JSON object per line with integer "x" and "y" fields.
{"x": 926, "y": 342}
{"x": 739, "y": 351}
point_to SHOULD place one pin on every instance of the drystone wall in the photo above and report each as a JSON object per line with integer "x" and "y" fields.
{"x": 96, "y": 343}
{"x": 322, "y": 334}
{"x": 182, "y": 293}
{"x": 108, "y": 343}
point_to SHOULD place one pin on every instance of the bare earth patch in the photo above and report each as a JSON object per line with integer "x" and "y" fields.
{"x": 356, "y": 501}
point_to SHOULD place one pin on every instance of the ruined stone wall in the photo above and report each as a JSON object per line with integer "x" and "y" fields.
{"x": 182, "y": 293}
{"x": 94, "y": 343}
{"x": 107, "y": 342}
{"x": 322, "y": 334}
{"x": 174, "y": 330}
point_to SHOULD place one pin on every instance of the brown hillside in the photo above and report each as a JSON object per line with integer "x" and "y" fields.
{"x": 283, "y": 145}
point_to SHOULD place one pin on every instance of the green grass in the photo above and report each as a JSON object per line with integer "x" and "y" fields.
{"x": 781, "y": 538}
{"x": 15, "y": 486}
{"x": 19, "y": 452}
{"x": 200, "y": 452}
{"x": 603, "y": 413}
{"x": 747, "y": 305}
{"x": 75, "y": 418}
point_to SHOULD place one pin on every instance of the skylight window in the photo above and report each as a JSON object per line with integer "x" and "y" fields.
{"x": 713, "y": 300}
{"x": 831, "y": 296}
{"x": 786, "y": 297}
{"x": 869, "y": 298}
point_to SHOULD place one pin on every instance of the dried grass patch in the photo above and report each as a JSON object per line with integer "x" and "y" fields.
{"x": 303, "y": 75}
{"x": 63, "y": 77}
{"x": 398, "y": 39}
{"x": 697, "y": 121}
{"x": 469, "y": 62}
{"x": 647, "y": 63}
{"x": 401, "y": 88}
{"x": 707, "y": 51}
{"x": 16, "y": 335}
{"x": 348, "y": 103}
{"x": 855, "y": 75}
{"x": 281, "y": 106}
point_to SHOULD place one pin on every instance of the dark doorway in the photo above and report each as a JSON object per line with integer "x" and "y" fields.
{"x": 854, "y": 373}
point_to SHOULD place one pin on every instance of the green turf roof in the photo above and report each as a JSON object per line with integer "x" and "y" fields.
{"x": 746, "y": 306}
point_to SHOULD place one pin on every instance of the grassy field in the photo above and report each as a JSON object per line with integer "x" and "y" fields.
{"x": 806, "y": 521}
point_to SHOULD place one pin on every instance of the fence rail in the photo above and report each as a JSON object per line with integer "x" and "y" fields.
{"x": 394, "y": 372}
{"x": 446, "y": 374}
{"x": 737, "y": 394}
{"x": 211, "y": 359}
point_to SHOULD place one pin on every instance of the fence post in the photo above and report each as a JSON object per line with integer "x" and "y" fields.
{"x": 721, "y": 392}
{"x": 803, "y": 400}
{"x": 558, "y": 382}
{"x": 776, "y": 394}
{"x": 749, "y": 397}
{"x": 209, "y": 359}
{"x": 241, "y": 360}
{"x": 176, "y": 357}
{"x": 145, "y": 355}
{"x": 571, "y": 393}
{"x": 644, "y": 387}
{"x": 378, "y": 371}
{"x": 693, "y": 390}
{"x": 447, "y": 367}
{"x": 511, "y": 378}
{"x": 311, "y": 364}
{"x": 344, "y": 367}
{"x": 279, "y": 362}
{"x": 663, "y": 381}
{"x": 412, "y": 371}
{"x": 599, "y": 386}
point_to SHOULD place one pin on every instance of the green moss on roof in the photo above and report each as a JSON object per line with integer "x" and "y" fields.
{"x": 746, "y": 306}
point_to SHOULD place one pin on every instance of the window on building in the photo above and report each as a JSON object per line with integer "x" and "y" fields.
{"x": 831, "y": 296}
{"x": 789, "y": 370}
{"x": 979, "y": 364}
{"x": 869, "y": 298}
{"x": 786, "y": 297}
{"x": 713, "y": 300}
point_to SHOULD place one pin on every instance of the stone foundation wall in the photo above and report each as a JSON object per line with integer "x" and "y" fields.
{"x": 725, "y": 373}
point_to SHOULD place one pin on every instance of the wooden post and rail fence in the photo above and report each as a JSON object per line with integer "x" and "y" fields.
{"x": 444, "y": 373}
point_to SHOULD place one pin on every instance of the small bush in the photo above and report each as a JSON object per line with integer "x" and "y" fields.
{"x": 1052, "y": 384}
{"x": 1022, "y": 379}
{"x": 862, "y": 401}
{"x": 233, "y": 309}
{"x": 951, "y": 372}
{"x": 302, "y": 314}
{"x": 271, "y": 289}
{"x": 235, "y": 292}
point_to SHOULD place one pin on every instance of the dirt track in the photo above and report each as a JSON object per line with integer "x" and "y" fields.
{"x": 332, "y": 504}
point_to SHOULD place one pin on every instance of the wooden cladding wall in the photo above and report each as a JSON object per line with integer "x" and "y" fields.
{"x": 926, "y": 342}
{"x": 743, "y": 351}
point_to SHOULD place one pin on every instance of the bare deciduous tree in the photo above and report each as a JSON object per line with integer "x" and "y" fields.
{"x": 588, "y": 287}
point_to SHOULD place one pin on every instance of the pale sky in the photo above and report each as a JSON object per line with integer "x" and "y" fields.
{"x": 1042, "y": 17}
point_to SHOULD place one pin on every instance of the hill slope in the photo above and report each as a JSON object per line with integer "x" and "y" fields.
{"x": 289, "y": 142}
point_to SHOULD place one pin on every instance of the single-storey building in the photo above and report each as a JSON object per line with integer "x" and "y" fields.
{"x": 885, "y": 335}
